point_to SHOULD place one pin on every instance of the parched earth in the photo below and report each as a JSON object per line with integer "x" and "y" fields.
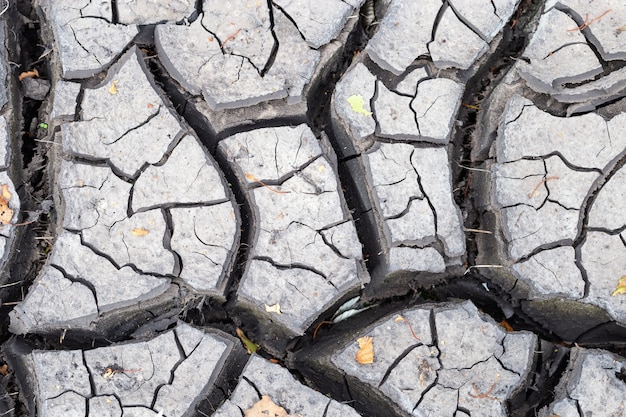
{"x": 313, "y": 208}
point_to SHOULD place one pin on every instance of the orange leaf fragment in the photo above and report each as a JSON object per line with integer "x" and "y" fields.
{"x": 28, "y": 74}
{"x": 140, "y": 231}
{"x": 506, "y": 325}
{"x": 365, "y": 353}
{"x": 4, "y": 370}
{"x": 150, "y": 105}
{"x": 265, "y": 407}
{"x": 6, "y": 214}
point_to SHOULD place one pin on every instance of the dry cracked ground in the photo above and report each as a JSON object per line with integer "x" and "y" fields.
{"x": 313, "y": 208}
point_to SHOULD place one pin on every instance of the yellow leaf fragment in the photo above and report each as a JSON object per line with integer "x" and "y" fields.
{"x": 140, "y": 231}
{"x": 398, "y": 319}
{"x": 273, "y": 308}
{"x": 621, "y": 286}
{"x": 357, "y": 102}
{"x": 251, "y": 347}
{"x": 265, "y": 407}
{"x": 6, "y": 214}
{"x": 365, "y": 353}
{"x": 113, "y": 87}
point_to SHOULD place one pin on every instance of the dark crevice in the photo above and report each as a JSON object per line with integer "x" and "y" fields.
{"x": 396, "y": 361}
{"x": 79, "y": 280}
{"x": 167, "y": 242}
{"x": 182, "y": 358}
{"x": 139, "y": 126}
{"x": 586, "y": 34}
{"x": 467, "y": 23}
{"x": 115, "y": 17}
{"x": 275, "y": 46}
{"x": 288, "y": 16}
{"x": 198, "y": 123}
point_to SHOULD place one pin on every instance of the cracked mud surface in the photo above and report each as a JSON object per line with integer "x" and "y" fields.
{"x": 292, "y": 208}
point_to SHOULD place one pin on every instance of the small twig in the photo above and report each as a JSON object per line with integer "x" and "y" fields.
{"x": 543, "y": 181}
{"x": 11, "y": 284}
{"x": 487, "y": 232}
{"x": 467, "y": 185}
{"x": 47, "y": 141}
{"x": 251, "y": 177}
{"x": 231, "y": 36}
{"x": 318, "y": 327}
{"x": 587, "y": 22}
{"x": 410, "y": 327}
{"x": 481, "y": 266}
{"x": 472, "y": 169}
{"x": 515, "y": 20}
{"x": 470, "y": 106}
{"x": 1, "y": 13}
{"x": 484, "y": 394}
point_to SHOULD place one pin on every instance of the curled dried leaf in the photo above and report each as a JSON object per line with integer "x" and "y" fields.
{"x": 28, "y": 74}
{"x": 265, "y": 407}
{"x": 140, "y": 231}
{"x": 6, "y": 213}
{"x": 365, "y": 354}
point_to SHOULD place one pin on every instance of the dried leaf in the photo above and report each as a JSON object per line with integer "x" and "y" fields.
{"x": 113, "y": 87}
{"x": 357, "y": 102}
{"x": 4, "y": 370}
{"x": 265, "y": 407}
{"x": 108, "y": 373}
{"x": 28, "y": 74}
{"x": 621, "y": 286}
{"x": 251, "y": 347}
{"x": 140, "y": 231}
{"x": 273, "y": 309}
{"x": 398, "y": 319}
{"x": 506, "y": 325}
{"x": 6, "y": 214}
{"x": 365, "y": 353}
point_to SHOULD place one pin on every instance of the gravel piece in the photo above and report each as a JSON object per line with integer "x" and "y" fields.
{"x": 592, "y": 384}
{"x": 294, "y": 187}
{"x": 179, "y": 186}
{"x": 87, "y": 41}
{"x": 139, "y": 378}
{"x": 237, "y": 73}
{"x": 145, "y": 12}
{"x": 450, "y": 355}
{"x": 262, "y": 378}
{"x": 455, "y": 44}
{"x": 124, "y": 120}
{"x": 205, "y": 239}
{"x": 605, "y": 16}
{"x": 390, "y": 47}
{"x": 349, "y": 125}
{"x": 319, "y": 21}
{"x": 65, "y": 100}
{"x": 557, "y": 55}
